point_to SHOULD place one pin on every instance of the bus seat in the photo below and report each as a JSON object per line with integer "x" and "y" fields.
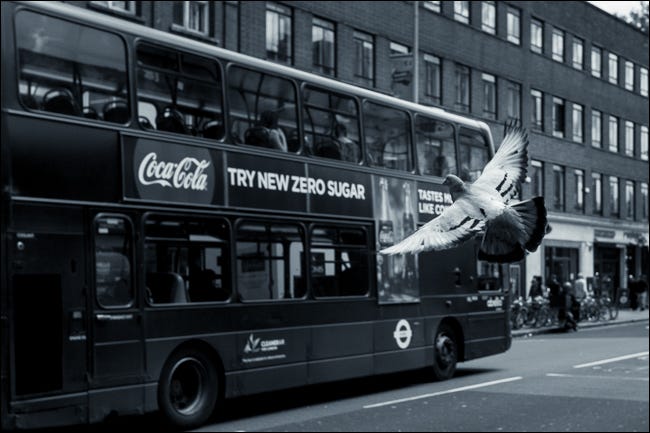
{"x": 117, "y": 112}
{"x": 171, "y": 120}
{"x": 90, "y": 113}
{"x": 166, "y": 287}
{"x": 328, "y": 149}
{"x": 60, "y": 100}
{"x": 145, "y": 123}
{"x": 258, "y": 136}
{"x": 212, "y": 129}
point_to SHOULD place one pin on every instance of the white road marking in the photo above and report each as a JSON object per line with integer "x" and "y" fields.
{"x": 582, "y": 376}
{"x": 449, "y": 391}
{"x": 606, "y": 361}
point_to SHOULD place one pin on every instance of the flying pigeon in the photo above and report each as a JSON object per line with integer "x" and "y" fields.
{"x": 484, "y": 206}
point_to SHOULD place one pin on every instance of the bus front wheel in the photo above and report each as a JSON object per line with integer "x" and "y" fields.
{"x": 445, "y": 354}
{"x": 187, "y": 391}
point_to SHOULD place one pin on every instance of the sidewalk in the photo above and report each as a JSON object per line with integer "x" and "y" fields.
{"x": 625, "y": 315}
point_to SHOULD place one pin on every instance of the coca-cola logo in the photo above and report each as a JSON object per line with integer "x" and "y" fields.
{"x": 188, "y": 173}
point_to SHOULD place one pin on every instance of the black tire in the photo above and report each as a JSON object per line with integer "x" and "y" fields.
{"x": 188, "y": 388}
{"x": 445, "y": 353}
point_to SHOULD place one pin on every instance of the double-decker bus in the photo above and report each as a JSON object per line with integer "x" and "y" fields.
{"x": 161, "y": 250}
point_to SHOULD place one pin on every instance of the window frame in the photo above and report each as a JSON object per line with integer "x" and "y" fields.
{"x": 283, "y": 14}
{"x": 187, "y": 12}
{"x": 326, "y": 27}
{"x": 513, "y": 25}
{"x": 489, "y": 17}
{"x": 537, "y": 35}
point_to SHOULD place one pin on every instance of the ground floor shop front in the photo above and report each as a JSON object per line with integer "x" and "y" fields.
{"x": 606, "y": 253}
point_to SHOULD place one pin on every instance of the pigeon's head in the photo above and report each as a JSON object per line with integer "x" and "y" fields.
{"x": 453, "y": 181}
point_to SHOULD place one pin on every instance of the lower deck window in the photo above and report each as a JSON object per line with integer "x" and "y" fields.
{"x": 269, "y": 261}
{"x": 186, "y": 260}
{"x": 339, "y": 262}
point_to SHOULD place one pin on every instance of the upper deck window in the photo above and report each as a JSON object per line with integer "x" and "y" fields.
{"x": 436, "y": 147}
{"x": 331, "y": 125}
{"x": 387, "y": 136}
{"x": 71, "y": 69}
{"x": 179, "y": 93}
{"x": 262, "y": 110}
{"x": 473, "y": 154}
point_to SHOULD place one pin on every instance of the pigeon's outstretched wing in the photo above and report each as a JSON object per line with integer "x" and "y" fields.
{"x": 507, "y": 169}
{"x": 451, "y": 228}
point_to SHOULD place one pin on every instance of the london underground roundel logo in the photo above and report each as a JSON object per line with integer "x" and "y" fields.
{"x": 403, "y": 334}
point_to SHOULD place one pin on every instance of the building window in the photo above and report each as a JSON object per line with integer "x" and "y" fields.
{"x": 489, "y": 17}
{"x": 432, "y": 78}
{"x": 514, "y": 26}
{"x": 365, "y": 57}
{"x": 558, "y": 45}
{"x": 433, "y": 6}
{"x": 323, "y": 42}
{"x": 643, "y": 81}
{"x": 613, "y": 134}
{"x": 644, "y": 143}
{"x": 513, "y": 105}
{"x": 462, "y": 88}
{"x": 629, "y": 199}
{"x": 629, "y": 75}
{"x": 577, "y": 53}
{"x": 192, "y": 16}
{"x": 461, "y": 11}
{"x": 597, "y": 180}
{"x": 644, "y": 201}
{"x": 537, "y": 178}
{"x": 613, "y": 68}
{"x": 580, "y": 190}
{"x": 489, "y": 96}
{"x": 396, "y": 48}
{"x": 596, "y": 128}
{"x": 231, "y": 25}
{"x": 578, "y": 122}
{"x": 536, "y": 36}
{"x": 558, "y": 187}
{"x": 558, "y": 117}
{"x": 122, "y": 7}
{"x": 537, "y": 110}
{"x": 629, "y": 138}
{"x": 596, "y": 62}
{"x": 613, "y": 196}
{"x": 279, "y": 44}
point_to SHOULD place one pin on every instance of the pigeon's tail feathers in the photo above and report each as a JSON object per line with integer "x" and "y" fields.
{"x": 533, "y": 216}
{"x": 502, "y": 241}
{"x": 520, "y": 227}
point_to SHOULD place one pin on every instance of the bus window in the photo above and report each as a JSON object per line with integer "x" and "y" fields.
{"x": 269, "y": 261}
{"x": 331, "y": 125}
{"x": 435, "y": 147}
{"x": 387, "y": 136}
{"x": 262, "y": 110}
{"x": 113, "y": 252}
{"x": 179, "y": 93}
{"x": 70, "y": 69}
{"x": 339, "y": 262}
{"x": 186, "y": 260}
{"x": 473, "y": 154}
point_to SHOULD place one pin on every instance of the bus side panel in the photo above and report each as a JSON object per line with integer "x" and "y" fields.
{"x": 53, "y": 159}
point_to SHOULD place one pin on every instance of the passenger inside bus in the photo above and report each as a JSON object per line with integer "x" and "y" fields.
{"x": 267, "y": 132}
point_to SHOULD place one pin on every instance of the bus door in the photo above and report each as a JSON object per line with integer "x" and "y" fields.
{"x": 46, "y": 253}
{"x": 117, "y": 349}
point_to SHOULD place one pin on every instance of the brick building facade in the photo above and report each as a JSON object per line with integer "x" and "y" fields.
{"x": 492, "y": 61}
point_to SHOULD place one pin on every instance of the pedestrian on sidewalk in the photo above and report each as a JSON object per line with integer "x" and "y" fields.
{"x": 642, "y": 292}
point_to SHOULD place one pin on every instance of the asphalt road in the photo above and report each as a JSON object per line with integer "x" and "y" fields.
{"x": 591, "y": 380}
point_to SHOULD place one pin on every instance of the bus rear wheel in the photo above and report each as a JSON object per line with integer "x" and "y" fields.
{"x": 445, "y": 354}
{"x": 187, "y": 390}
